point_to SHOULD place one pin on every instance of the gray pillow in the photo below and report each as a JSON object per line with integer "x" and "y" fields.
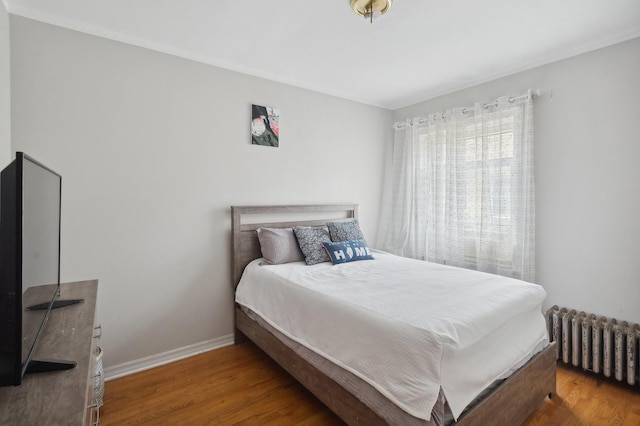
{"x": 279, "y": 245}
{"x": 345, "y": 231}
{"x": 310, "y": 239}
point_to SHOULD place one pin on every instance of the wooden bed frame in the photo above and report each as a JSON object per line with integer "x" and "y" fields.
{"x": 510, "y": 403}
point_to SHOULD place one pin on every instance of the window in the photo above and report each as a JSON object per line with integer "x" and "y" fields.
{"x": 462, "y": 189}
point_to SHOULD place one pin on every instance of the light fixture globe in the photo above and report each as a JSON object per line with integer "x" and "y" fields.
{"x": 371, "y": 8}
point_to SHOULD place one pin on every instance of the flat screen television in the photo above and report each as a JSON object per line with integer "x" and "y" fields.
{"x": 30, "y": 209}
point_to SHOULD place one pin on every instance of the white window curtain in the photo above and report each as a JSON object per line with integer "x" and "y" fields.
{"x": 461, "y": 190}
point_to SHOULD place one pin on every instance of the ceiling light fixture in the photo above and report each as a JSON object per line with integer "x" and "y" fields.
{"x": 371, "y": 9}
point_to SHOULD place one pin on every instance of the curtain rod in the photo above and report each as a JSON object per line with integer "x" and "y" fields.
{"x": 534, "y": 93}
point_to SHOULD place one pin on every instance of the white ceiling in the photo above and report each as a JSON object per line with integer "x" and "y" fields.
{"x": 419, "y": 50}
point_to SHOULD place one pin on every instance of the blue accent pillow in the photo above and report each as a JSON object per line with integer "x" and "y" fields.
{"x": 347, "y": 251}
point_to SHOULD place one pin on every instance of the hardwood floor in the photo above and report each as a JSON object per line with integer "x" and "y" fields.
{"x": 240, "y": 385}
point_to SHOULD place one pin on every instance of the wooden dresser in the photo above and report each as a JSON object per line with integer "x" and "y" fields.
{"x": 59, "y": 397}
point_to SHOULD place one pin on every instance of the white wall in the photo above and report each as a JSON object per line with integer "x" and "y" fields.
{"x": 5, "y": 88}
{"x": 153, "y": 150}
{"x": 587, "y": 150}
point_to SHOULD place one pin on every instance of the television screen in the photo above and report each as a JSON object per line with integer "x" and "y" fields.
{"x": 30, "y": 204}
{"x": 41, "y": 226}
{"x": 40, "y": 243}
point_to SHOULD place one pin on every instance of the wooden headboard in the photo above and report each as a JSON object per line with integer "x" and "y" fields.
{"x": 246, "y": 219}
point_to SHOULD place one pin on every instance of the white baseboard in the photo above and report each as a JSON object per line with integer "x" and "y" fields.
{"x": 152, "y": 361}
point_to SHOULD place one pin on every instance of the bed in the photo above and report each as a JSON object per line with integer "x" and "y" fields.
{"x": 344, "y": 390}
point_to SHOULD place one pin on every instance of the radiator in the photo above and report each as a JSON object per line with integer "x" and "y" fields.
{"x": 603, "y": 345}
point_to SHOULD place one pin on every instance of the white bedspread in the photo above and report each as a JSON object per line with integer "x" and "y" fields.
{"x": 407, "y": 327}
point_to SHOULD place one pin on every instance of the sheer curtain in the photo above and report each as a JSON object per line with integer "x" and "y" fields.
{"x": 461, "y": 191}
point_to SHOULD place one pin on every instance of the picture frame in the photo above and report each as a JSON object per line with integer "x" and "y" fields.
{"x": 265, "y": 126}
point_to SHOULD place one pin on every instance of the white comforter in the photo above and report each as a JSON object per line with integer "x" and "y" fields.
{"x": 407, "y": 327}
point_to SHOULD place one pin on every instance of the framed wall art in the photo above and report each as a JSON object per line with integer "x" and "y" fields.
{"x": 265, "y": 125}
